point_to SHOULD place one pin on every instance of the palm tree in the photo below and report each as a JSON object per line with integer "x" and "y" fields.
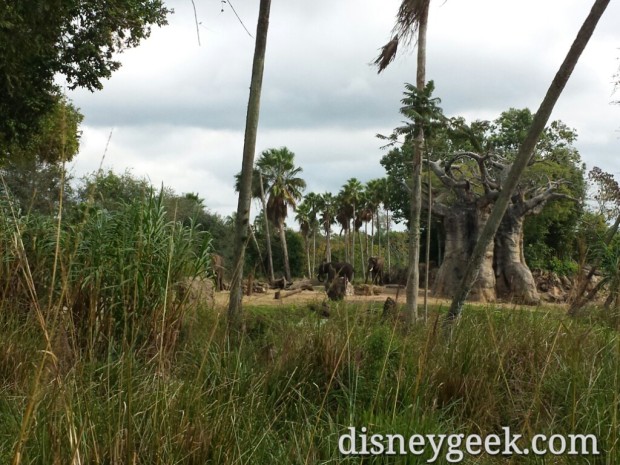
{"x": 524, "y": 156}
{"x": 412, "y": 17}
{"x": 284, "y": 189}
{"x": 327, "y": 207}
{"x": 365, "y": 214}
{"x": 351, "y": 198}
{"x": 313, "y": 200}
{"x": 376, "y": 192}
{"x": 249, "y": 147}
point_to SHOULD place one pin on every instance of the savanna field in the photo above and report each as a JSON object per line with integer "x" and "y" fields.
{"x": 165, "y": 381}
{"x": 430, "y": 276}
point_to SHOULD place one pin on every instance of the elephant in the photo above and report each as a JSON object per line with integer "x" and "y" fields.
{"x": 217, "y": 261}
{"x": 333, "y": 269}
{"x": 375, "y": 270}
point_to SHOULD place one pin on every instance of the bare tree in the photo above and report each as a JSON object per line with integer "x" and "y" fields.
{"x": 242, "y": 221}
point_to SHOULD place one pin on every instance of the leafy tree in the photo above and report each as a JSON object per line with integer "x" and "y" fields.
{"x": 33, "y": 172}
{"x": 524, "y": 156}
{"x": 303, "y": 217}
{"x": 327, "y": 206}
{"x": 76, "y": 39}
{"x": 110, "y": 191}
{"x": 350, "y": 199}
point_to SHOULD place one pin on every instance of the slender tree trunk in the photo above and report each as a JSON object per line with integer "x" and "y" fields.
{"x": 429, "y": 207}
{"x": 313, "y": 249}
{"x": 366, "y": 237}
{"x": 523, "y": 157}
{"x": 413, "y": 275}
{"x": 372, "y": 235}
{"x": 328, "y": 246}
{"x": 267, "y": 232}
{"x": 362, "y": 254}
{"x": 307, "y": 241}
{"x": 353, "y": 242}
{"x": 378, "y": 235}
{"x": 249, "y": 147}
{"x": 287, "y": 268}
{"x": 387, "y": 232}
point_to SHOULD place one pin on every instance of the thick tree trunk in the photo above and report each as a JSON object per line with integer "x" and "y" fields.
{"x": 484, "y": 287}
{"x": 459, "y": 224}
{"x": 514, "y": 278}
{"x": 249, "y": 147}
{"x": 462, "y": 224}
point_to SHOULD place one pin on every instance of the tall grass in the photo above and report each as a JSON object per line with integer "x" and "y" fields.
{"x": 133, "y": 375}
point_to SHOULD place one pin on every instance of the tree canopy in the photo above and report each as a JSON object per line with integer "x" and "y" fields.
{"x": 77, "y": 39}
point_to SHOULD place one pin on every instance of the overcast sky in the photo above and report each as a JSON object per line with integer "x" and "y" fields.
{"x": 177, "y": 109}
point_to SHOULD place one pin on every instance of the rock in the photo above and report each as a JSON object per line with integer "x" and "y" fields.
{"x": 196, "y": 291}
{"x": 337, "y": 289}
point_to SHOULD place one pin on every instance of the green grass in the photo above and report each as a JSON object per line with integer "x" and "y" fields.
{"x": 102, "y": 363}
{"x": 287, "y": 389}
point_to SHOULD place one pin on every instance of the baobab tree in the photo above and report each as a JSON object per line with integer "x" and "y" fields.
{"x": 524, "y": 155}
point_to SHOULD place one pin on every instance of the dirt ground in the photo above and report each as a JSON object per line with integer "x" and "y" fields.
{"x": 221, "y": 298}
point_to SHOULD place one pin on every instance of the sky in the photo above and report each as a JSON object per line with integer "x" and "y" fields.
{"x": 176, "y": 109}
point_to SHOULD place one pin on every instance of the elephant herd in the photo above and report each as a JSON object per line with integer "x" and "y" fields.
{"x": 345, "y": 270}
{"x": 326, "y": 270}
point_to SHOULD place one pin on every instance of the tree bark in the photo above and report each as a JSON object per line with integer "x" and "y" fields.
{"x": 242, "y": 221}
{"x": 514, "y": 278}
{"x": 462, "y": 224}
{"x": 523, "y": 157}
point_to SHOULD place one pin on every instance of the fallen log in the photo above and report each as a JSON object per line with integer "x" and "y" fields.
{"x": 280, "y": 296}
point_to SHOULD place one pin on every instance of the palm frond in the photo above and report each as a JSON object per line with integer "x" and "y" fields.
{"x": 408, "y": 18}
{"x": 387, "y": 55}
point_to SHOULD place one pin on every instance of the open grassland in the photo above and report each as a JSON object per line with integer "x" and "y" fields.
{"x": 286, "y": 389}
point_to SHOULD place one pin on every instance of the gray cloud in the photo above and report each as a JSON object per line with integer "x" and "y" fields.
{"x": 179, "y": 110}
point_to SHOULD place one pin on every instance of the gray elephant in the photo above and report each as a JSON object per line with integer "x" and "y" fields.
{"x": 333, "y": 269}
{"x": 375, "y": 270}
{"x": 217, "y": 262}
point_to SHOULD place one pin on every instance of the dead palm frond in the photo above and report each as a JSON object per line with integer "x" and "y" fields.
{"x": 387, "y": 55}
{"x": 408, "y": 18}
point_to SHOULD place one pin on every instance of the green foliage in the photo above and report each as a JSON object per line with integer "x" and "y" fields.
{"x": 110, "y": 191}
{"x": 76, "y": 39}
{"x": 33, "y": 171}
{"x": 296, "y": 254}
{"x": 114, "y": 271}
{"x": 285, "y": 187}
